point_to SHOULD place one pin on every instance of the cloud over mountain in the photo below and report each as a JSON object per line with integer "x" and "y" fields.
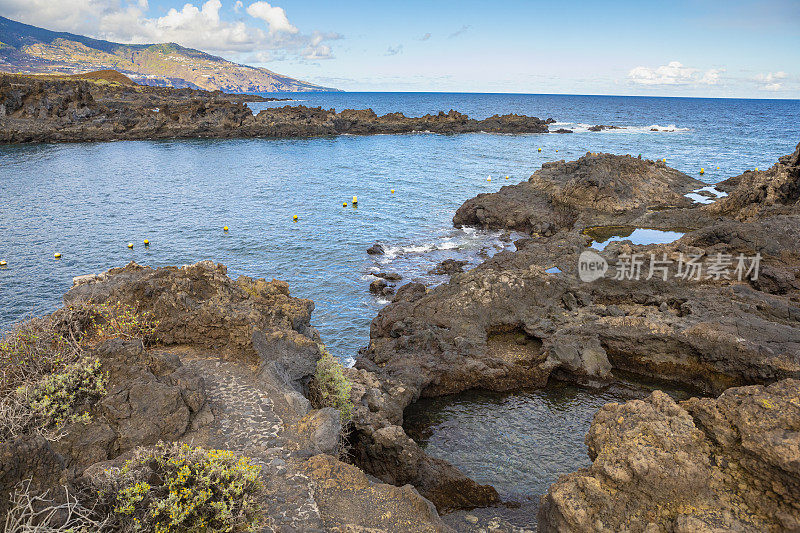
{"x": 197, "y": 26}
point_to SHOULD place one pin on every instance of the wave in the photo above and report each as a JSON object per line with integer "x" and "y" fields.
{"x": 580, "y": 127}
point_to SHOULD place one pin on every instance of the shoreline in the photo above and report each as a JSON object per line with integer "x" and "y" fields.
{"x": 519, "y": 325}
{"x": 70, "y": 110}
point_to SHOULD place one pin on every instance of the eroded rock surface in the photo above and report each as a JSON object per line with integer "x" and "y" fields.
{"x": 230, "y": 363}
{"x": 725, "y": 464}
{"x": 509, "y": 324}
{"x": 597, "y": 189}
{"x": 63, "y": 110}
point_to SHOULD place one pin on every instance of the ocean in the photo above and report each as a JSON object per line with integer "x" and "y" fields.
{"x": 87, "y": 201}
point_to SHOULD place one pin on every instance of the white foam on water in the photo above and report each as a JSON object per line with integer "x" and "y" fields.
{"x": 579, "y": 127}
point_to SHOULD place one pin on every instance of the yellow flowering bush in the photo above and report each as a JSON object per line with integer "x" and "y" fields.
{"x": 53, "y": 399}
{"x": 199, "y": 490}
{"x": 45, "y": 374}
{"x": 116, "y": 319}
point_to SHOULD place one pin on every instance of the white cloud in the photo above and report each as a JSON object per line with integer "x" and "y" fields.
{"x": 274, "y": 16}
{"x": 674, "y": 73}
{"x": 770, "y": 80}
{"x": 238, "y": 6}
{"x": 194, "y": 25}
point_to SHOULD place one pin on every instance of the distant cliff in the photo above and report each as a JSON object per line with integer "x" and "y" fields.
{"x": 28, "y": 49}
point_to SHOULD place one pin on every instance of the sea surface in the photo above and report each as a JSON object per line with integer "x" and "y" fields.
{"x": 87, "y": 201}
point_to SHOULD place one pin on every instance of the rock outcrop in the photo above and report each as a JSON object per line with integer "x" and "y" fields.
{"x": 597, "y": 189}
{"x": 725, "y": 464}
{"x": 227, "y": 368}
{"x": 509, "y": 324}
{"x": 71, "y": 110}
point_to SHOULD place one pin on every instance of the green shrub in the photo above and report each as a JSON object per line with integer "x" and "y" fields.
{"x": 54, "y": 399}
{"x": 175, "y": 488}
{"x": 45, "y": 374}
{"x": 49, "y": 404}
{"x": 116, "y": 319}
{"x": 333, "y": 387}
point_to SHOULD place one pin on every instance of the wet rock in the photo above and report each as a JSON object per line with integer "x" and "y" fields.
{"x": 601, "y": 127}
{"x": 375, "y": 249}
{"x": 563, "y": 130}
{"x": 449, "y": 267}
{"x": 389, "y": 276}
{"x": 378, "y": 287}
{"x": 729, "y": 463}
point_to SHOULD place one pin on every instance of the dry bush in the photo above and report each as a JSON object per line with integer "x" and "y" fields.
{"x": 31, "y": 513}
{"x": 45, "y": 373}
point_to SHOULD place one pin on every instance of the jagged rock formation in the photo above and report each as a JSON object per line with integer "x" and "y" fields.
{"x": 725, "y": 464}
{"x": 229, "y": 368}
{"x": 508, "y": 324}
{"x": 34, "y": 110}
{"x": 597, "y": 189}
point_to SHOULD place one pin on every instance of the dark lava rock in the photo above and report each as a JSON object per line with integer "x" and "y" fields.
{"x": 508, "y": 325}
{"x": 388, "y": 276}
{"x": 449, "y": 267}
{"x": 35, "y": 110}
{"x": 377, "y": 286}
{"x": 562, "y": 130}
{"x": 600, "y": 189}
{"x": 707, "y": 464}
{"x": 601, "y": 127}
{"x": 375, "y": 249}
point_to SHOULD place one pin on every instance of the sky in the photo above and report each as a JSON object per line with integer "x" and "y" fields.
{"x": 735, "y": 48}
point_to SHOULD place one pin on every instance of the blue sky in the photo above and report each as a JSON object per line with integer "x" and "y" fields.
{"x": 700, "y": 48}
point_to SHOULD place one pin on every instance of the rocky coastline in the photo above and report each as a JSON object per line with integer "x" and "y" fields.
{"x": 73, "y": 110}
{"x": 508, "y": 324}
{"x": 233, "y": 364}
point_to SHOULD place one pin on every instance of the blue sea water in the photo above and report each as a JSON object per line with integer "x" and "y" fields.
{"x": 86, "y": 201}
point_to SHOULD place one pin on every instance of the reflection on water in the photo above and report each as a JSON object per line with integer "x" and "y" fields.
{"x": 519, "y": 443}
{"x": 603, "y": 235}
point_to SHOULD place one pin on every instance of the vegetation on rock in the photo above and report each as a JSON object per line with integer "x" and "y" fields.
{"x": 332, "y": 386}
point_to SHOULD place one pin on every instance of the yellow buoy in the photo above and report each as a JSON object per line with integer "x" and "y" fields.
{"x": 702, "y": 171}
{"x": 355, "y": 199}
{"x": 57, "y": 255}
{"x": 664, "y": 160}
{"x": 756, "y": 169}
{"x": 3, "y": 263}
{"x": 130, "y": 245}
{"x": 540, "y": 149}
{"x": 717, "y": 168}
{"x": 146, "y": 242}
{"x": 489, "y": 178}
{"x": 392, "y": 191}
{"x": 506, "y": 177}
{"x": 294, "y": 218}
{"x": 225, "y": 228}
{"x": 344, "y": 204}
{"x": 556, "y": 150}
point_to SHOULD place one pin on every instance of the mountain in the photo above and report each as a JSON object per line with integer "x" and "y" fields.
{"x": 28, "y": 49}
